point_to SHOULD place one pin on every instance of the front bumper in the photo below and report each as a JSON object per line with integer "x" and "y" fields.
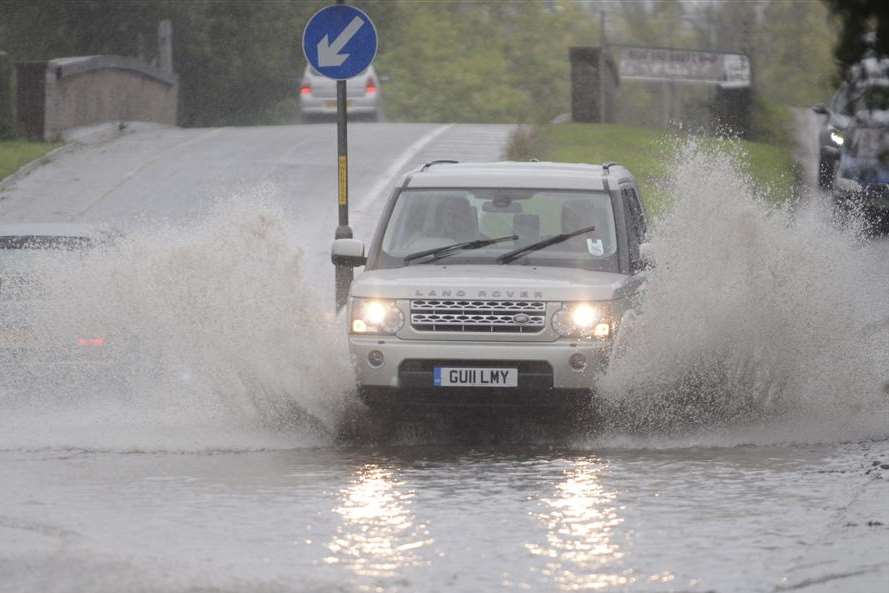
{"x": 542, "y": 366}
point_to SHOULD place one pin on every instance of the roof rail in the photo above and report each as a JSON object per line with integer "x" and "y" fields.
{"x": 607, "y": 165}
{"x": 438, "y": 162}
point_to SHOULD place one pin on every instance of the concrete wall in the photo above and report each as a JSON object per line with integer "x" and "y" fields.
{"x": 83, "y": 91}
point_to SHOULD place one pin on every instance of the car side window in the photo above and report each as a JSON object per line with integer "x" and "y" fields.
{"x": 637, "y": 214}
{"x": 635, "y": 223}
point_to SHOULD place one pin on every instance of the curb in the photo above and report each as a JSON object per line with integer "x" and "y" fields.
{"x": 74, "y": 138}
{"x": 28, "y": 167}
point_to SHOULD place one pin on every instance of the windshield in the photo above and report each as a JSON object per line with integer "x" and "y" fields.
{"x": 873, "y": 98}
{"x": 427, "y": 219}
{"x": 841, "y": 101}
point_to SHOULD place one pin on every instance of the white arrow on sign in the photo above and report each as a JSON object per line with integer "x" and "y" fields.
{"x": 329, "y": 53}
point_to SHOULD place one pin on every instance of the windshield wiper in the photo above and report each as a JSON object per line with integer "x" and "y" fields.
{"x": 440, "y": 252}
{"x": 517, "y": 253}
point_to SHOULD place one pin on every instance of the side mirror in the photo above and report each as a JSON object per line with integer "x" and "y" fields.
{"x": 646, "y": 256}
{"x": 820, "y": 109}
{"x": 348, "y": 253}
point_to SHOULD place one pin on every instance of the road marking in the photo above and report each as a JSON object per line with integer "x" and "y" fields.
{"x": 382, "y": 184}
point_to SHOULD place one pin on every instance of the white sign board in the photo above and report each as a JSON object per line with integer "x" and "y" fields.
{"x": 678, "y": 65}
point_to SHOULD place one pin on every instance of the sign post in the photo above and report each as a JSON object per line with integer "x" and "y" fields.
{"x": 340, "y": 42}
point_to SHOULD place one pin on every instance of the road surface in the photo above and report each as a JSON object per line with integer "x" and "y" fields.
{"x": 197, "y": 481}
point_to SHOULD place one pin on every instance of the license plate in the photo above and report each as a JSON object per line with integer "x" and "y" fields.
{"x": 332, "y": 104}
{"x": 474, "y": 377}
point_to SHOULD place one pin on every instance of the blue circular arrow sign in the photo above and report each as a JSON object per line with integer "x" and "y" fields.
{"x": 340, "y": 41}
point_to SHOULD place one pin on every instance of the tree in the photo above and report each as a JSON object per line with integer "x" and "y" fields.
{"x": 858, "y": 17}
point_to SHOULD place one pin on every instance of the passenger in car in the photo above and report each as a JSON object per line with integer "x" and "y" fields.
{"x": 578, "y": 214}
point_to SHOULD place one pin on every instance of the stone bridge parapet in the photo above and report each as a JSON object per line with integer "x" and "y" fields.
{"x": 67, "y": 93}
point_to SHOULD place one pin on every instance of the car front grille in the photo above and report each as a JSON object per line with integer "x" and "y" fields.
{"x": 478, "y": 316}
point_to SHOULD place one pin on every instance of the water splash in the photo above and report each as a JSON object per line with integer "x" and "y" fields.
{"x": 759, "y": 325}
{"x": 218, "y": 342}
{"x": 754, "y": 315}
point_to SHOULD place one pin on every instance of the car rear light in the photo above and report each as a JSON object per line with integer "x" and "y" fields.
{"x": 305, "y": 89}
{"x": 371, "y": 87}
{"x": 90, "y": 341}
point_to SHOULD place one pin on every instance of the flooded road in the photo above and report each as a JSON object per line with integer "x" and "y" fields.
{"x": 432, "y": 518}
{"x": 744, "y": 445}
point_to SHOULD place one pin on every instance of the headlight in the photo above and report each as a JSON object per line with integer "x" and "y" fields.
{"x": 837, "y": 138}
{"x": 374, "y": 316}
{"x": 582, "y": 320}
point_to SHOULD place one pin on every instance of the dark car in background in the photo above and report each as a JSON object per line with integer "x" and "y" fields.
{"x": 831, "y": 135}
{"x": 861, "y": 184}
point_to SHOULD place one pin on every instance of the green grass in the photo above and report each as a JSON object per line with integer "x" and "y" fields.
{"x": 16, "y": 153}
{"x": 646, "y": 152}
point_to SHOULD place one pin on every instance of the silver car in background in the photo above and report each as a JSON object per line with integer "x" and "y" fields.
{"x": 317, "y": 96}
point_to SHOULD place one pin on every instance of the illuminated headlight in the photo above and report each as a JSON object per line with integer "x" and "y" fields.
{"x": 582, "y": 320}
{"x": 373, "y": 316}
{"x": 837, "y": 138}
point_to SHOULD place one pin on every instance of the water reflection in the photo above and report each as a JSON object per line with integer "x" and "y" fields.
{"x": 378, "y": 536}
{"x": 580, "y": 520}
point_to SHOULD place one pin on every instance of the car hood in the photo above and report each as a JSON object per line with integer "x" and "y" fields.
{"x": 490, "y": 282}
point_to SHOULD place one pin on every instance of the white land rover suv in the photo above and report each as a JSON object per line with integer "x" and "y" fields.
{"x": 494, "y": 284}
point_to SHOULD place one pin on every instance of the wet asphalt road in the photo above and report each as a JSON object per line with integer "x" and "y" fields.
{"x": 421, "y": 518}
{"x": 154, "y": 507}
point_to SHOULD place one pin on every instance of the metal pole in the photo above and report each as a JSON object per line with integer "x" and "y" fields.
{"x": 603, "y": 42}
{"x": 344, "y": 274}
{"x": 342, "y": 151}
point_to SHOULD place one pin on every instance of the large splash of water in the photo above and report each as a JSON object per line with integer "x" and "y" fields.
{"x": 754, "y": 316}
{"x": 217, "y": 341}
{"x": 758, "y": 324}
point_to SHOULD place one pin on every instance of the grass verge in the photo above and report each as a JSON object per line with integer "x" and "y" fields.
{"x": 14, "y": 154}
{"x": 645, "y": 152}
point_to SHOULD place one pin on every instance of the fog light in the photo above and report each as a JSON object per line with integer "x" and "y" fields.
{"x": 375, "y": 358}
{"x": 577, "y": 361}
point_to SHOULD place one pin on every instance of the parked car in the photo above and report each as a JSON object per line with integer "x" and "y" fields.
{"x": 317, "y": 96}
{"x": 494, "y": 284}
